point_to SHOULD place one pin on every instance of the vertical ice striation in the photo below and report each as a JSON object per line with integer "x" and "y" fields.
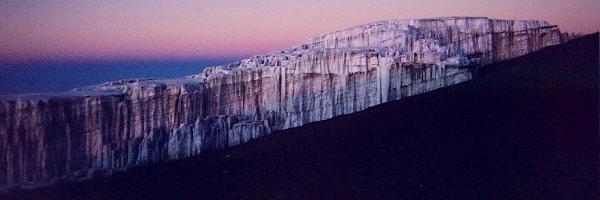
{"x": 118, "y": 125}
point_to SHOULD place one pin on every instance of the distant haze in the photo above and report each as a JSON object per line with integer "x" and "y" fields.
{"x": 216, "y": 29}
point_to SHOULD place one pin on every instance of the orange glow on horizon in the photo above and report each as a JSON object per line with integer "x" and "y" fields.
{"x": 212, "y": 29}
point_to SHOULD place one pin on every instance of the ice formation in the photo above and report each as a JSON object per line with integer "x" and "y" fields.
{"x": 118, "y": 125}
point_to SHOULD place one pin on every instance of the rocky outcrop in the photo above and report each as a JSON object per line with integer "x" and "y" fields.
{"x": 118, "y": 125}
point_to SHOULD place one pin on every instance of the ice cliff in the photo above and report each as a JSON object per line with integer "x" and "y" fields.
{"x": 115, "y": 126}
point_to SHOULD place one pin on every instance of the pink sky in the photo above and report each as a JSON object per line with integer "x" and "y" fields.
{"x": 233, "y": 28}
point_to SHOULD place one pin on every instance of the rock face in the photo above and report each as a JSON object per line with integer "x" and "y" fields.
{"x": 118, "y": 125}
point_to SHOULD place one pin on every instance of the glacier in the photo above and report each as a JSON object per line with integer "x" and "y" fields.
{"x": 118, "y": 125}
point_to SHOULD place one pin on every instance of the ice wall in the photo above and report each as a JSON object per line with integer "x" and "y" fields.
{"x": 118, "y": 125}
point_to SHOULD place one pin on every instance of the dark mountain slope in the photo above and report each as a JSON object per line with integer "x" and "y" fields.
{"x": 524, "y": 129}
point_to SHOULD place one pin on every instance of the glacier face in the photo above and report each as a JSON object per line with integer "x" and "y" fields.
{"x": 118, "y": 125}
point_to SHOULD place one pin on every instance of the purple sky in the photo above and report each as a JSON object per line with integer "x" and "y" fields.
{"x": 232, "y": 28}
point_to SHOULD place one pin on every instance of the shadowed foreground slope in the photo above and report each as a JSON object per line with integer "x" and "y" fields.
{"x": 524, "y": 129}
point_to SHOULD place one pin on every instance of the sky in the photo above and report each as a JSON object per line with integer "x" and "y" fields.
{"x": 213, "y": 29}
